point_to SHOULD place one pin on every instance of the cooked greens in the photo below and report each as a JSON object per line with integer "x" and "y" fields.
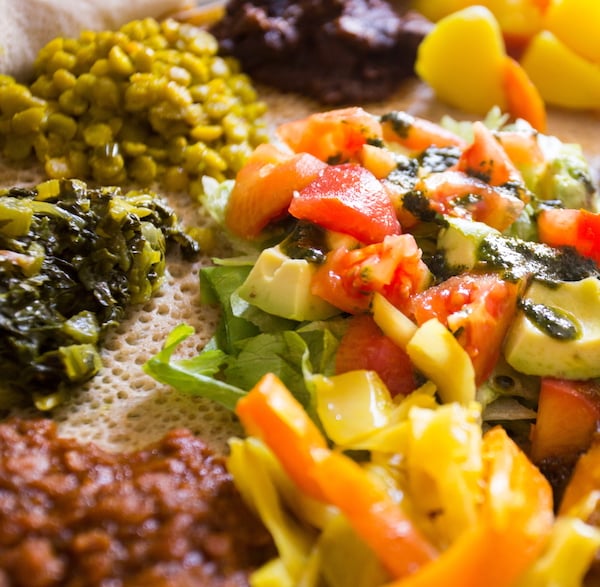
{"x": 72, "y": 258}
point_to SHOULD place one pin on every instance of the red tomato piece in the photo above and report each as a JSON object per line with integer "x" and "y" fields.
{"x": 349, "y": 199}
{"x": 568, "y": 415}
{"x": 364, "y": 346}
{"x": 486, "y": 158}
{"x": 523, "y": 149}
{"x": 477, "y": 308}
{"x": 264, "y": 186}
{"x": 394, "y": 268}
{"x": 569, "y": 227}
{"x": 332, "y": 283}
{"x": 336, "y": 136}
{"x": 458, "y": 194}
{"x": 417, "y": 134}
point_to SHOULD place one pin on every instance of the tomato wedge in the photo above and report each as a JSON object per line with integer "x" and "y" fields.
{"x": 264, "y": 186}
{"x": 486, "y": 158}
{"x": 364, "y": 346}
{"x": 478, "y": 308}
{"x": 560, "y": 401}
{"x": 417, "y": 134}
{"x": 349, "y": 278}
{"x": 570, "y": 227}
{"x": 349, "y": 199}
{"x": 461, "y": 195}
{"x": 336, "y": 136}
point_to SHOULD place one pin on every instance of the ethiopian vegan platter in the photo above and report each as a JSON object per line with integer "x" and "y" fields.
{"x": 272, "y": 332}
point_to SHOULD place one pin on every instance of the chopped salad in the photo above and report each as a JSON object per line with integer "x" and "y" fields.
{"x": 410, "y": 336}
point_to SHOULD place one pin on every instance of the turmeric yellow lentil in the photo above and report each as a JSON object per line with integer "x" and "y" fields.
{"x": 153, "y": 101}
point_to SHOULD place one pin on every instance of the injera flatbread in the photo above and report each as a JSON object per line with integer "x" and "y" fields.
{"x": 122, "y": 408}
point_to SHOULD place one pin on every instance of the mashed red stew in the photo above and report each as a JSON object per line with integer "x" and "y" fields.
{"x": 75, "y": 515}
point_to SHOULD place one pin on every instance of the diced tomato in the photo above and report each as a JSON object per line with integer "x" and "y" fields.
{"x": 264, "y": 186}
{"x": 393, "y": 267}
{"x": 364, "y": 346}
{"x": 486, "y": 159}
{"x": 569, "y": 227}
{"x": 457, "y": 194}
{"x": 568, "y": 415}
{"x": 332, "y": 283}
{"x": 522, "y": 148}
{"x": 336, "y": 136}
{"x": 349, "y": 199}
{"x": 416, "y": 134}
{"x": 477, "y": 308}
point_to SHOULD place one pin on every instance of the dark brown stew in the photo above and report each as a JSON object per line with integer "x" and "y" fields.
{"x": 336, "y": 51}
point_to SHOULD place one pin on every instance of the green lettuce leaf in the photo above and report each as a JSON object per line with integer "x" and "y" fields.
{"x": 247, "y": 344}
{"x": 195, "y": 375}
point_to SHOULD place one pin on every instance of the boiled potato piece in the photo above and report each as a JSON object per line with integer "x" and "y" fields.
{"x": 434, "y": 10}
{"x": 562, "y": 77}
{"x": 462, "y": 59}
{"x": 577, "y": 24}
{"x": 518, "y": 19}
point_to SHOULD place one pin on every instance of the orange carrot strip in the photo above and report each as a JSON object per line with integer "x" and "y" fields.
{"x": 584, "y": 481}
{"x": 523, "y": 98}
{"x": 376, "y": 518}
{"x": 270, "y": 412}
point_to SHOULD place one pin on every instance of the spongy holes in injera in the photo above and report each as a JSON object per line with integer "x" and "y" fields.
{"x": 122, "y": 408}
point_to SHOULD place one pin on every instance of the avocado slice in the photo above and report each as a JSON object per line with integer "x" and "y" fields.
{"x": 567, "y": 176}
{"x": 557, "y": 331}
{"x": 281, "y": 286}
{"x": 460, "y": 240}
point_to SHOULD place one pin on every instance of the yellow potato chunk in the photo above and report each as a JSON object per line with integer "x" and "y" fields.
{"x": 518, "y": 19}
{"x": 577, "y": 24}
{"x": 434, "y": 10}
{"x": 462, "y": 59}
{"x": 562, "y": 77}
